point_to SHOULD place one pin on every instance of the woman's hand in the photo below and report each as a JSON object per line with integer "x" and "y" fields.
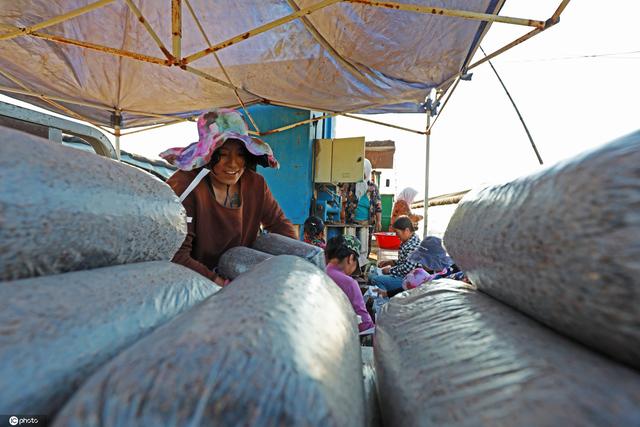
{"x": 221, "y": 281}
{"x": 380, "y": 292}
{"x": 386, "y": 270}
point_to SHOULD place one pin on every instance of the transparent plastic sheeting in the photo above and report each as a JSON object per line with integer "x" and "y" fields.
{"x": 563, "y": 246}
{"x": 238, "y": 260}
{"x": 276, "y": 244}
{"x": 65, "y": 210}
{"x": 449, "y": 356}
{"x": 278, "y": 346}
{"x": 56, "y": 330}
{"x": 343, "y": 57}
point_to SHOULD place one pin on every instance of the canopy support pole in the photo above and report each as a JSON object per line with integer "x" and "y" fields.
{"x": 389, "y": 125}
{"x": 116, "y": 121}
{"x": 152, "y": 33}
{"x": 49, "y": 101}
{"x": 443, "y": 105}
{"x": 100, "y": 107}
{"x": 328, "y": 114}
{"x": 259, "y": 30}
{"x": 55, "y": 20}
{"x": 556, "y": 15}
{"x": 426, "y": 174}
{"x": 101, "y": 48}
{"x": 235, "y": 89}
{"x": 176, "y": 28}
{"x": 515, "y": 107}
{"x": 464, "y": 14}
{"x": 352, "y": 68}
{"x": 503, "y": 49}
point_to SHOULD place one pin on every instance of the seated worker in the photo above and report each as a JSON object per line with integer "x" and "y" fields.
{"x": 313, "y": 229}
{"x": 402, "y": 206}
{"x": 225, "y": 199}
{"x": 393, "y": 272}
{"x": 342, "y": 260}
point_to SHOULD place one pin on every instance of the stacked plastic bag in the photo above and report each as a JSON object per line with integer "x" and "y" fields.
{"x": 96, "y": 320}
{"x": 561, "y": 246}
{"x": 85, "y": 244}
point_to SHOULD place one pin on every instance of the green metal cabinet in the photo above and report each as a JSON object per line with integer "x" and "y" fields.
{"x": 387, "y": 206}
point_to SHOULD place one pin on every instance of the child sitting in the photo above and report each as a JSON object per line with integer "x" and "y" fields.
{"x": 342, "y": 260}
{"x": 314, "y": 232}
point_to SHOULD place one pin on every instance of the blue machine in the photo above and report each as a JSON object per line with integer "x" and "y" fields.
{"x": 328, "y": 204}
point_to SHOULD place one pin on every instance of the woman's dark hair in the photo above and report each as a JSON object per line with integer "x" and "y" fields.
{"x": 337, "y": 248}
{"x": 402, "y": 223}
{"x": 313, "y": 226}
{"x": 250, "y": 161}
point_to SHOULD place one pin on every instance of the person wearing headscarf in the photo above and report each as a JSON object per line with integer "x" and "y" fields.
{"x": 402, "y": 207}
{"x": 226, "y": 201}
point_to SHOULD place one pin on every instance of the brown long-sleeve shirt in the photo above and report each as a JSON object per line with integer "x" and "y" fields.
{"x": 214, "y": 228}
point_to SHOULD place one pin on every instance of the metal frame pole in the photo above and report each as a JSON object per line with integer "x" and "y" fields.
{"x": 116, "y": 118}
{"x": 465, "y": 14}
{"x": 55, "y": 20}
{"x": 426, "y": 174}
{"x": 176, "y": 28}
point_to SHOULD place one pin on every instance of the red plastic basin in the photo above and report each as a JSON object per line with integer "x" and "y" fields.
{"x": 387, "y": 240}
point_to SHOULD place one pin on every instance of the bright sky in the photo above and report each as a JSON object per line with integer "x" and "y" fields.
{"x": 569, "y": 105}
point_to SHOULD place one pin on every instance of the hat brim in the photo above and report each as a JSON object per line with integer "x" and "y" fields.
{"x": 430, "y": 261}
{"x": 199, "y": 153}
{"x": 256, "y": 147}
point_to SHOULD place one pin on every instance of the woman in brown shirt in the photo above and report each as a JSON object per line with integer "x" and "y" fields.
{"x": 230, "y": 201}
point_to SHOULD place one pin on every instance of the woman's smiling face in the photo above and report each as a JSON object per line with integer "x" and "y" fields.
{"x": 232, "y": 162}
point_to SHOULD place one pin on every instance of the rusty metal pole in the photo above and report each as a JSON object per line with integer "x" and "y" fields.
{"x": 426, "y": 174}
{"x": 116, "y": 121}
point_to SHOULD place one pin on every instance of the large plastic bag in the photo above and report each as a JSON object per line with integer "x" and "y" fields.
{"x": 447, "y": 356}
{"x": 56, "y": 330}
{"x": 277, "y": 244}
{"x": 238, "y": 260}
{"x": 64, "y": 210}
{"x": 278, "y": 346}
{"x": 563, "y": 245}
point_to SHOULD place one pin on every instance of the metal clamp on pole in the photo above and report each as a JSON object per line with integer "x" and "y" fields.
{"x": 431, "y": 109}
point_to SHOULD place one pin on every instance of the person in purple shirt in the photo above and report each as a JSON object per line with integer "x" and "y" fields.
{"x": 342, "y": 260}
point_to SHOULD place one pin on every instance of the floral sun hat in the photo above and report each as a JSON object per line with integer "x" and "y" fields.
{"x": 415, "y": 278}
{"x": 431, "y": 254}
{"x": 215, "y": 127}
